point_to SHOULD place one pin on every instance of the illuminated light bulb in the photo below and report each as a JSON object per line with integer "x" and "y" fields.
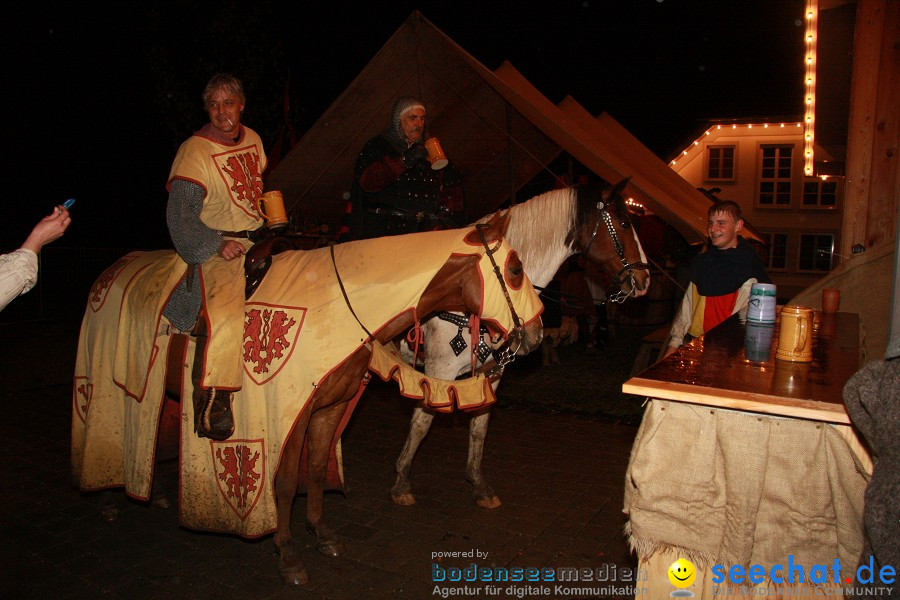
{"x": 766, "y": 126}
{"x": 674, "y": 161}
{"x": 718, "y": 127}
{"x": 809, "y": 60}
{"x": 750, "y": 126}
{"x": 782, "y": 124}
{"x": 809, "y": 38}
{"x": 809, "y": 81}
{"x": 707, "y": 132}
{"x": 684, "y": 152}
{"x": 809, "y": 15}
{"x": 809, "y": 100}
{"x": 808, "y": 138}
{"x": 734, "y": 126}
{"x": 696, "y": 143}
{"x": 824, "y": 177}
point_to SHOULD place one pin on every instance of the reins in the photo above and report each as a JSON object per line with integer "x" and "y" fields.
{"x": 346, "y": 297}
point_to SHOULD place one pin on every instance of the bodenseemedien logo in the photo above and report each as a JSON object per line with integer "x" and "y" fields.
{"x": 682, "y": 574}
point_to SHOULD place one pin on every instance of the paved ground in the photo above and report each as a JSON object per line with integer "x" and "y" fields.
{"x": 556, "y": 454}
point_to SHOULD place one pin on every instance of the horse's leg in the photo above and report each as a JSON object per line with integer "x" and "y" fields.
{"x": 483, "y": 493}
{"x": 109, "y": 508}
{"x": 419, "y": 425}
{"x": 286, "y": 481}
{"x": 322, "y": 425}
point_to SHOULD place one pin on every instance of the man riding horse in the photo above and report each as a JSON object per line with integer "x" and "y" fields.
{"x": 213, "y": 216}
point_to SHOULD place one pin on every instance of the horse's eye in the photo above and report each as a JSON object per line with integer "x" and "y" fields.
{"x": 516, "y": 271}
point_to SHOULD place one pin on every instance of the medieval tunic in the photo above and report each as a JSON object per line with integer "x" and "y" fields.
{"x": 18, "y": 274}
{"x": 719, "y": 287}
{"x": 391, "y": 195}
{"x": 231, "y": 175}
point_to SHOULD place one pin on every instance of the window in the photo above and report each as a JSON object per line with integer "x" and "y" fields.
{"x": 720, "y": 163}
{"x": 816, "y": 252}
{"x": 775, "y": 176}
{"x": 776, "y": 250}
{"x": 820, "y": 194}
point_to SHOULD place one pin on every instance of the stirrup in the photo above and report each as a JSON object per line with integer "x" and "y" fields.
{"x": 214, "y": 419}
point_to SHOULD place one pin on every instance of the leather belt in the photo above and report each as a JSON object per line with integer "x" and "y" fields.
{"x": 254, "y": 235}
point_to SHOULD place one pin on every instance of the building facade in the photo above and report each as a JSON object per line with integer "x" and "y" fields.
{"x": 762, "y": 167}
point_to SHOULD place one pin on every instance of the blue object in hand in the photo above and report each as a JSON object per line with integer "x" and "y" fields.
{"x": 68, "y": 203}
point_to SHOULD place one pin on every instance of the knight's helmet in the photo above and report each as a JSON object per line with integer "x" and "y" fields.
{"x": 403, "y": 105}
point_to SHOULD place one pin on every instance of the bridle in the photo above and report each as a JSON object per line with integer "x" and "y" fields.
{"x": 616, "y": 294}
{"x": 506, "y": 353}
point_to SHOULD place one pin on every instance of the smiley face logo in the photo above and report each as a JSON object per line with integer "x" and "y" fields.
{"x": 682, "y": 573}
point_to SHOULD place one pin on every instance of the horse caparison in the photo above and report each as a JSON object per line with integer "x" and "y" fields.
{"x": 545, "y": 230}
{"x": 461, "y": 281}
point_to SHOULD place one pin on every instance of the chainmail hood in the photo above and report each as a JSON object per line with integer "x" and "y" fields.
{"x": 394, "y": 133}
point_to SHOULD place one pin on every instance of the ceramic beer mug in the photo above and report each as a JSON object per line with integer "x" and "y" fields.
{"x": 436, "y": 155}
{"x": 795, "y": 338}
{"x": 271, "y": 207}
{"x": 761, "y": 307}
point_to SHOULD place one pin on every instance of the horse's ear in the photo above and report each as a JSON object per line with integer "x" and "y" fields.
{"x": 610, "y": 194}
{"x": 493, "y": 230}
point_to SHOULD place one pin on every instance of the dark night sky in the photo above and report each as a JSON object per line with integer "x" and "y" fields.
{"x": 101, "y": 96}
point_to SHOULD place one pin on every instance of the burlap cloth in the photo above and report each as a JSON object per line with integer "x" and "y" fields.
{"x": 733, "y": 488}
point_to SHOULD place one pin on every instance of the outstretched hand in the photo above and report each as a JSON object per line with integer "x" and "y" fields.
{"x": 48, "y": 229}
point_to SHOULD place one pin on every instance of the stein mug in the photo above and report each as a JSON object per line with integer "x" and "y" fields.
{"x": 271, "y": 206}
{"x": 795, "y": 338}
{"x": 436, "y": 155}
{"x": 761, "y": 307}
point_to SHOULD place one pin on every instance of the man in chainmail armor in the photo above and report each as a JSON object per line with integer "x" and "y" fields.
{"x": 395, "y": 188}
{"x": 214, "y": 187}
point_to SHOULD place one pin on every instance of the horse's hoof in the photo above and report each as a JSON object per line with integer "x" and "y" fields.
{"x": 403, "y": 499}
{"x": 293, "y": 574}
{"x": 489, "y": 502}
{"x": 109, "y": 513}
{"x": 162, "y": 502}
{"x": 294, "y": 577}
{"x": 332, "y": 548}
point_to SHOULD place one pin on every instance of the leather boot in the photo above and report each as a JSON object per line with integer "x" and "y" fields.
{"x": 212, "y": 408}
{"x": 215, "y": 419}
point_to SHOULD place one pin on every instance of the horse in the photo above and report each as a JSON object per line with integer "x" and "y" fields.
{"x": 546, "y": 230}
{"x": 314, "y": 328}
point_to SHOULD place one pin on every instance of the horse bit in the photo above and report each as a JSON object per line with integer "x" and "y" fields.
{"x": 619, "y": 296}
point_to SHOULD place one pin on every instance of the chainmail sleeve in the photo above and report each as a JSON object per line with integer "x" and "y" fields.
{"x": 195, "y": 243}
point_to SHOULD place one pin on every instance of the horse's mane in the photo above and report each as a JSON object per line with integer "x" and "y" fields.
{"x": 538, "y": 230}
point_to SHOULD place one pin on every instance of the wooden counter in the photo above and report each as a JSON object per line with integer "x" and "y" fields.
{"x": 714, "y": 370}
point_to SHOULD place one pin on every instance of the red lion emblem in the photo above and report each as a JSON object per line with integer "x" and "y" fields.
{"x": 267, "y": 338}
{"x": 81, "y": 396}
{"x": 241, "y": 169}
{"x": 238, "y": 473}
{"x": 101, "y": 287}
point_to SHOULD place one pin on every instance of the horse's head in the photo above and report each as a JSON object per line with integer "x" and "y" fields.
{"x": 488, "y": 280}
{"x": 607, "y": 238}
